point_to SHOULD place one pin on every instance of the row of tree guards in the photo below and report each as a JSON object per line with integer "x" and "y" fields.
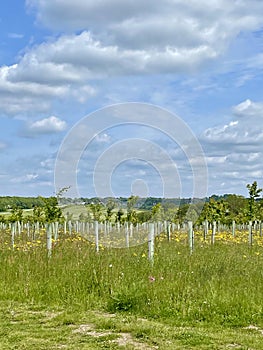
{"x": 127, "y": 234}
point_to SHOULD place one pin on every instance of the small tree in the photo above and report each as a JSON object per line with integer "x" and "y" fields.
{"x": 119, "y": 215}
{"x": 97, "y": 211}
{"x": 110, "y": 205}
{"x": 52, "y": 211}
{"x": 181, "y": 213}
{"x": 144, "y": 216}
{"x": 157, "y": 212}
{"x": 192, "y": 213}
{"x": 16, "y": 215}
{"x": 131, "y": 213}
{"x": 38, "y": 215}
{"x": 254, "y": 193}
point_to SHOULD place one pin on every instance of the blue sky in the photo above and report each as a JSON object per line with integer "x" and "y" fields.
{"x": 62, "y": 60}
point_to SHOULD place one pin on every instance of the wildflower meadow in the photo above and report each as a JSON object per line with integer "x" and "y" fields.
{"x": 190, "y": 292}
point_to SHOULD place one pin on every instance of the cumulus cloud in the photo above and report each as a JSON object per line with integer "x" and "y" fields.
{"x": 78, "y": 58}
{"x": 48, "y": 125}
{"x": 102, "y": 17}
{"x": 118, "y": 38}
{"x": 31, "y": 85}
{"x": 244, "y": 130}
{"x": 134, "y": 37}
{"x": 18, "y": 97}
{"x": 249, "y": 108}
{"x": 234, "y": 150}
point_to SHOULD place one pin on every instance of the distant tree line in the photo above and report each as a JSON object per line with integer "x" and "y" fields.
{"x": 8, "y": 202}
{"x": 224, "y": 208}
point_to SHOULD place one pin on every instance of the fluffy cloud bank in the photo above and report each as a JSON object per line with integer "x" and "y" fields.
{"x": 147, "y": 36}
{"x": 108, "y": 39}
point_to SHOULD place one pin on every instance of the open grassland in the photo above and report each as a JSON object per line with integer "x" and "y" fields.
{"x": 80, "y": 299}
{"x": 74, "y": 211}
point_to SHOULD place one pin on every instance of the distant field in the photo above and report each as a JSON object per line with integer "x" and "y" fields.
{"x": 26, "y": 212}
{"x": 75, "y": 210}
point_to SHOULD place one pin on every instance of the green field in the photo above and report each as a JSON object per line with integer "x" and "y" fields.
{"x": 116, "y": 299}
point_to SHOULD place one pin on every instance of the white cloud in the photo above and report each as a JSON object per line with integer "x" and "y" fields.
{"x": 78, "y": 58}
{"x": 31, "y": 85}
{"x": 46, "y": 126}
{"x": 119, "y": 38}
{"x": 133, "y": 37}
{"x": 145, "y": 14}
{"x": 246, "y": 130}
{"x": 145, "y": 37}
{"x": 83, "y": 93}
{"x": 18, "y": 97}
{"x": 234, "y": 150}
{"x": 249, "y": 108}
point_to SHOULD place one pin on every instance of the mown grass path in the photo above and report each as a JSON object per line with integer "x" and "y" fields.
{"x": 29, "y": 327}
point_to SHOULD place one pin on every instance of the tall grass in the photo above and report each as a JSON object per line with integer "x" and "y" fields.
{"x": 219, "y": 284}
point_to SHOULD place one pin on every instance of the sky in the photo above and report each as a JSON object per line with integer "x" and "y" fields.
{"x": 153, "y": 98}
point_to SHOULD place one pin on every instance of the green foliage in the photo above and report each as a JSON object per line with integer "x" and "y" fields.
{"x": 254, "y": 193}
{"x": 220, "y": 208}
{"x": 132, "y": 216}
{"x": 8, "y": 202}
{"x": 144, "y": 216}
{"x": 38, "y": 215}
{"x": 122, "y": 302}
{"x": 16, "y": 215}
{"x": 181, "y": 212}
{"x": 260, "y": 209}
{"x": 149, "y": 202}
{"x": 131, "y": 213}
{"x": 215, "y": 211}
{"x": 52, "y": 211}
{"x": 192, "y": 213}
{"x": 170, "y": 213}
{"x": 237, "y": 206}
{"x": 119, "y": 215}
{"x": 97, "y": 210}
{"x": 157, "y": 212}
{"x": 110, "y": 205}
{"x": 131, "y": 201}
{"x": 3, "y": 219}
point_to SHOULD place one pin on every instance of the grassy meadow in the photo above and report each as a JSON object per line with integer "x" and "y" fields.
{"x": 116, "y": 298}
